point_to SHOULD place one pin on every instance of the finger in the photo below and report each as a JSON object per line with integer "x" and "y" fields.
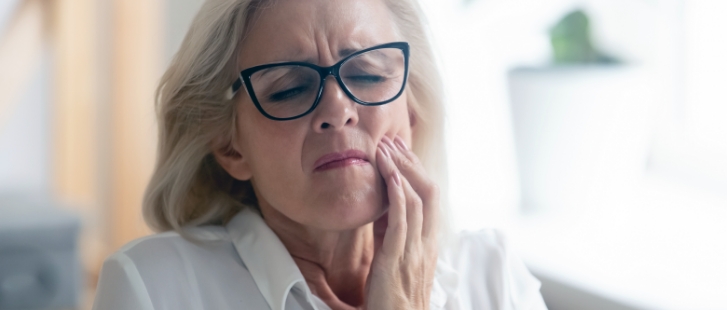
{"x": 414, "y": 213}
{"x": 427, "y": 189}
{"x": 395, "y": 236}
{"x": 412, "y": 170}
{"x": 410, "y": 166}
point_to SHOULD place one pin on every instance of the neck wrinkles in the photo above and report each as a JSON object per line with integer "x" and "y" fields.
{"x": 335, "y": 264}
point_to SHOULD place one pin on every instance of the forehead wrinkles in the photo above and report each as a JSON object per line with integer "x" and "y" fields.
{"x": 276, "y": 17}
{"x": 314, "y": 29}
{"x": 357, "y": 18}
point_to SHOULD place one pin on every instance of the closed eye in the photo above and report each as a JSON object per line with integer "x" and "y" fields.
{"x": 288, "y": 93}
{"x": 366, "y": 79}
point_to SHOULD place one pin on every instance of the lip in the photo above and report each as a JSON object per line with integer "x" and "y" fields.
{"x": 340, "y": 159}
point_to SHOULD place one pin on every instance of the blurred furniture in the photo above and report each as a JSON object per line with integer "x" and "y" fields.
{"x": 665, "y": 249}
{"x": 39, "y": 258}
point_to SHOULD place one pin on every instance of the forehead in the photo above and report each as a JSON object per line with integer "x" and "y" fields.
{"x": 315, "y": 30}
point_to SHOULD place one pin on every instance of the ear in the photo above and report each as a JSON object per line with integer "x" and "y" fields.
{"x": 412, "y": 114}
{"x": 412, "y": 118}
{"x": 230, "y": 158}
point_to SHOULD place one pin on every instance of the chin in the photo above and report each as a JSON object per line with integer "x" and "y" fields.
{"x": 350, "y": 211}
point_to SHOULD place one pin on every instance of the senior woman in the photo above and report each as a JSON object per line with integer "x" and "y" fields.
{"x": 300, "y": 150}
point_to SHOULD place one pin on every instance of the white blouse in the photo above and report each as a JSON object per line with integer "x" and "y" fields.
{"x": 244, "y": 265}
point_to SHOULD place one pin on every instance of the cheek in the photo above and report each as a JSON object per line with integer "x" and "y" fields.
{"x": 270, "y": 147}
{"x": 391, "y": 120}
{"x": 261, "y": 135}
{"x": 275, "y": 163}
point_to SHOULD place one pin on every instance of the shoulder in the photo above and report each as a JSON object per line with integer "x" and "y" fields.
{"x": 167, "y": 271}
{"x": 170, "y": 246}
{"x": 485, "y": 241}
{"x": 491, "y": 274}
{"x": 165, "y": 256}
{"x": 468, "y": 247}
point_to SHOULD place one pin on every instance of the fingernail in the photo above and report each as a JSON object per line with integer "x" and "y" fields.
{"x": 400, "y": 142}
{"x": 388, "y": 142}
{"x": 384, "y": 150}
{"x": 397, "y": 180}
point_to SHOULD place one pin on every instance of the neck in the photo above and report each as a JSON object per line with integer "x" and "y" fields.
{"x": 335, "y": 264}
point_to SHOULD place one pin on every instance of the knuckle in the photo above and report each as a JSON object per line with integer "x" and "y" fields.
{"x": 414, "y": 161}
{"x": 431, "y": 191}
{"x": 406, "y": 163}
{"x": 411, "y": 156}
{"x": 430, "y": 246}
{"x": 417, "y": 203}
{"x": 415, "y": 260}
{"x": 391, "y": 170}
{"x": 414, "y": 255}
{"x": 398, "y": 227}
{"x": 402, "y": 196}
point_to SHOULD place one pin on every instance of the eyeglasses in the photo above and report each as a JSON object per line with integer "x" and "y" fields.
{"x": 289, "y": 90}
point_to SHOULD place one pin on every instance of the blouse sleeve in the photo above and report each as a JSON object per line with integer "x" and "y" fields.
{"x": 524, "y": 288}
{"x": 120, "y": 286}
{"x": 494, "y": 275}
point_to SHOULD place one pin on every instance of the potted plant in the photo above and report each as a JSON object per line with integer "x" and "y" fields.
{"x": 580, "y": 124}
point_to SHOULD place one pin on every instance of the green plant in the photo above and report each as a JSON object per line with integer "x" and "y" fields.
{"x": 571, "y": 41}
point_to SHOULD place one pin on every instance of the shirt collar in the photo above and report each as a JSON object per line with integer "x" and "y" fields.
{"x": 265, "y": 256}
{"x": 275, "y": 272}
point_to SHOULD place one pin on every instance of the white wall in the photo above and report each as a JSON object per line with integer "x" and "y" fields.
{"x": 179, "y": 17}
{"x": 6, "y": 9}
{"x": 25, "y": 138}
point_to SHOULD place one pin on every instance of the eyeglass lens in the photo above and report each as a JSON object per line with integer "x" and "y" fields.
{"x": 288, "y": 91}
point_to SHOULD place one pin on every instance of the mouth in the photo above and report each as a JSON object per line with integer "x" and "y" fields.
{"x": 340, "y": 159}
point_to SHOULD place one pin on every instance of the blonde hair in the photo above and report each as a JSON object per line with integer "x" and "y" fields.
{"x": 188, "y": 187}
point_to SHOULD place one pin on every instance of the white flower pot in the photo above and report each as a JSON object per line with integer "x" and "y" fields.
{"x": 581, "y": 133}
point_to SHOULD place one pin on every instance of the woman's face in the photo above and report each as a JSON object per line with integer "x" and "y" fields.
{"x": 280, "y": 156}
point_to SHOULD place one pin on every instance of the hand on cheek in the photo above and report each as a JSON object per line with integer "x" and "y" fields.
{"x": 406, "y": 253}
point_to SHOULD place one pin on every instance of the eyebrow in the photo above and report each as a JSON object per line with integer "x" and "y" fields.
{"x": 294, "y": 55}
{"x": 352, "y": 47}
{"x": 347, "y": 51}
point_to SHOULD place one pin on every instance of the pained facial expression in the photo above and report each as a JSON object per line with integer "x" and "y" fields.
{"x": 280, "y": 156}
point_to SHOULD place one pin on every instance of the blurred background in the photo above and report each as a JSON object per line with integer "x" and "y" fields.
{"x": 594, "y": 132}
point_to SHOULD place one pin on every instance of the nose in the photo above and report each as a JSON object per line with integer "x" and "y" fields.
{"x": 335, "y": 109}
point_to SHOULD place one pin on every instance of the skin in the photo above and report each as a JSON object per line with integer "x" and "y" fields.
{"x": 363, "y": 236}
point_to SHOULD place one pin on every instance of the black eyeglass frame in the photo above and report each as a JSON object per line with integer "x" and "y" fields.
{"x": 323, "y": 72}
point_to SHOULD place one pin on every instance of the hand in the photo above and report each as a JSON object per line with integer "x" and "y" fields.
{"x": 405, "y": 258}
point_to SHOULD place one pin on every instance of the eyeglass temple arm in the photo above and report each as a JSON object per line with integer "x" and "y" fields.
{"x": 234, "y": 88}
